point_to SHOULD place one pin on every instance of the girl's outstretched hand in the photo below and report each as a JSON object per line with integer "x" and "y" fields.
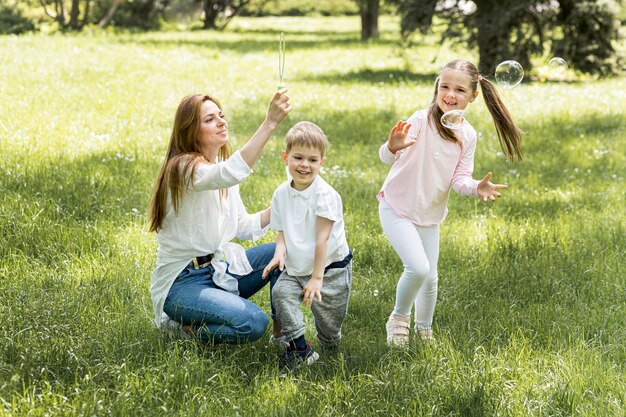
{"x": 399, "y": 137}
{"x": 487, "y": 190}
{"x": 280, "y": 106}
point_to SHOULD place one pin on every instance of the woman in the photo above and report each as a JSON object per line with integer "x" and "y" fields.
{"x": 202, "y": 280}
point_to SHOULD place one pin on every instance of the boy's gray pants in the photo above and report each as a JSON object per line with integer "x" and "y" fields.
{"x": 328, "y": 315}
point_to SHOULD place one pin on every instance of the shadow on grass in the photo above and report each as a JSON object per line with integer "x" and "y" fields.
{"x": 252, "y": 44}
{"x": 99, "y": 186}
{"x": 379, "y": 76}
{"x": 71, "y": 207}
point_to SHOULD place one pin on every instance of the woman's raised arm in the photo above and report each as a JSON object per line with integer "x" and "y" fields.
{"x": 276, "y": 113}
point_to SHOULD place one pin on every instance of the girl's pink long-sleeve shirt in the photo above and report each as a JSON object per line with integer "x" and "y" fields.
{"x": 418, "y": 184}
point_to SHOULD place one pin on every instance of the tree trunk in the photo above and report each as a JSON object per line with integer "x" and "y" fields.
{"x": 369, "y": 10}
{"x": 492, "y": 38}
{"x": 211, "y": 11}
{"x": 74, "y": 13}
{"x": 60, "y": 8}
{"x": 106, "y": 20}
{"x": 59, "y": 11}
{"x": 231, "y": 11}
{"x": 85, "y": 18}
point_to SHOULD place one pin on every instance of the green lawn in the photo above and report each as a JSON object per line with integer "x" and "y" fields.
{"x": 531, "y": 318}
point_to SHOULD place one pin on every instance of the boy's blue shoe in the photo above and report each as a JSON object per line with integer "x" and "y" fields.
{"x": 292, "y": 360}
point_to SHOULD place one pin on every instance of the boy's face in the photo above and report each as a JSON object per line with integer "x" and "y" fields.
{"x": 303, "y": 164}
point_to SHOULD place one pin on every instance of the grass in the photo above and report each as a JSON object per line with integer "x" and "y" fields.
{"x": 531, "y": 315}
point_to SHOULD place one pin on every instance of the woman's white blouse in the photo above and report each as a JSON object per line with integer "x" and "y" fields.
{"x": 206, "y": 224}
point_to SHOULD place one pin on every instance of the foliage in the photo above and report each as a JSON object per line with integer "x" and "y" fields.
{"x": 580, "y": 32}
{"x": 415, "y": 15}
{"x": 218, "y": 13}
{"x": 531, "y": 313}
{"x": 300, "y": 8}
{"x": 141, "y": 14}
{"x": 589, "y": 28}
{"x": 13, "y": 22}
{"x": 74, "y": 16}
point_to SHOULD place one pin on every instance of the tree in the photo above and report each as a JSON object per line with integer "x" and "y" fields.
{"x": 588, "y": 30}
{"x": 217, "y": 13}
{"x": 519, "y": 29}
{"x": 369, "y": 11}
{"x": 143, "y": 14}
{"x": 108, "y": 17}
{"x": 13, "y": 21}
{"x": 73, "y": 15}
{"x": 57, "y": 10}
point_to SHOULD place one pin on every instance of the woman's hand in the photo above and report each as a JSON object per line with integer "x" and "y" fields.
{"x": 280, "y": 106}
{"x": 278, "y": 110}
{"x": 487, "y": 190}
{"x": 399, "y": 137}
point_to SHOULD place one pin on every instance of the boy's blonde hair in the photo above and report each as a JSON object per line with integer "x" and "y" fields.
{"x": 306, "y": 134}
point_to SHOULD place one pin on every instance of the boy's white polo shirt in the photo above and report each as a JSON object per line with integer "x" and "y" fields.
{"x": 295, "y": 213}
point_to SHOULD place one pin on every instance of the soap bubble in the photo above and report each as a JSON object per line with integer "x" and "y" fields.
{"x": 558, "y": 66}
{"x": 453, "y": 119}
{"x": 557, "y": 62}
{"x": 509, "y": 74}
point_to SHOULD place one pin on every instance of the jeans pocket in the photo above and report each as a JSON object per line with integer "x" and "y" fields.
{"x": 184, "y": 273}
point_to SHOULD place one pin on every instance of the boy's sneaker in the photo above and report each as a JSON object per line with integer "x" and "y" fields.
{"x": 398, "y": 331}
{"x": 293, "y": 360}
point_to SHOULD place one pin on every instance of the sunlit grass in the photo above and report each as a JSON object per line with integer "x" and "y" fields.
{"x": 531, "y": 312}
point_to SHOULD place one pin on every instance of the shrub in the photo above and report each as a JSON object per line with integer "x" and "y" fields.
{"x": 300, "y": 8}
{"x": 12, "y": 22}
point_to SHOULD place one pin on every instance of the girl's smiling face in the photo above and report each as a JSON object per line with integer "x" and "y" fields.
{"x": 455, "y": 90}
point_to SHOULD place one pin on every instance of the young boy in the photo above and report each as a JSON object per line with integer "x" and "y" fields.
{"x": 311, "y": 248}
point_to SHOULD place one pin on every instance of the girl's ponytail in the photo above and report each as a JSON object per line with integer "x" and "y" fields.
{"x": 509, "y": 135}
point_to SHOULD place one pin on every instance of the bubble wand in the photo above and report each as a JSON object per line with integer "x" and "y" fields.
{"x": 281, "y": 60}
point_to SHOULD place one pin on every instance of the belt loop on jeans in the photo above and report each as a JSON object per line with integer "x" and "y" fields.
{"x": 202, "y": 261}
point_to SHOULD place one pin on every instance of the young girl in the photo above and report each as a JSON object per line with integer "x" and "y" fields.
{"x": 427, "y": 160}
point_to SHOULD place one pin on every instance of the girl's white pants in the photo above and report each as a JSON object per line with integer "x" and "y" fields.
{"x": 418, "y": 248}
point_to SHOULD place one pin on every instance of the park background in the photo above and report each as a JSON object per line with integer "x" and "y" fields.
{"x": 531, "y": 315}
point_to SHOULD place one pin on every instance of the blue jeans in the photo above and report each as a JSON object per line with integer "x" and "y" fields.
{"x": 218, "y": 316}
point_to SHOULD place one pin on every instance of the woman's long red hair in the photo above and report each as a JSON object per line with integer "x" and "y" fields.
{"x": 182, "y": 158}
